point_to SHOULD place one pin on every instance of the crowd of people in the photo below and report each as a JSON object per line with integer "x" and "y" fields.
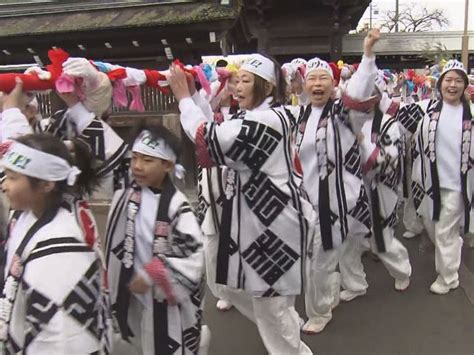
{"x": 302, "y": 168}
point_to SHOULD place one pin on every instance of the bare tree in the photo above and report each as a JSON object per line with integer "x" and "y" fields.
{"x": 414, "y": 18}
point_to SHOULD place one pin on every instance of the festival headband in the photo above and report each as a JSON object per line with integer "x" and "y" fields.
{"x": 37, "y": 164}
{"x": 316, "y": 63}
{"x": 261, "y": 66}
{"x": 454, "y": 64}
{"x": 146, "y": 144}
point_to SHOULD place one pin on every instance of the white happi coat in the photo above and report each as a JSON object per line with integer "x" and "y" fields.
{"x": 55, "y": 284}
{"x": 263, "y": 228}
{"x": 341, "y": 200}
{"x": 176, "y": 327}
{"x": 382, "y": 168}
{"x": 421, "y": 119}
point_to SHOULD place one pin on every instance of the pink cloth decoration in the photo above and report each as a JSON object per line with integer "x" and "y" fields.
{"x": 136, "y": 104}
{"x": 158, "y": 273}
{"x": 65, "y": 84}
{"x": 203, "y": 80}
{"x": 120, "y": 94}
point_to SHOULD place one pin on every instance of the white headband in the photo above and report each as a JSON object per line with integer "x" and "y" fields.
{"x": 315, "y": 64}
{"x": 453, "y": 64}
{"x": 148, "y": 145}
{"x": 35, "y": 163}
{"x": 297, "y": 62}
{"x": 261, "y": 66}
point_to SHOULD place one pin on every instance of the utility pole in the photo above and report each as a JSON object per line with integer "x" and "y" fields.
{"x": 370, "y": 16}
{"x": 465, "y": 38}
{"x": 396, "y": 14}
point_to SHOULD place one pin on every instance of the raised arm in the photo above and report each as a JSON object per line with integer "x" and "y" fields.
{"x": 358, "y": 97}
{"x": 14, "y": 123}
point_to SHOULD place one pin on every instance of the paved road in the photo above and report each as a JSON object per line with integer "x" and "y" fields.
{"x": 383, "y": 322}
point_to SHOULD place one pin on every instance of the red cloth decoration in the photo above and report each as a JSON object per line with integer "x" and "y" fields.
{"x": 31, "y": 82}
{"x": 4, "y": 147}
{"x": 191, "y": 71}
{"x": 336, "y": 72}
{"x": 57, "y": 57}
{"x": 361, "y": 106}
{"x": 372, "y": 161}
{"x": 203, "y": 157}
{"x": 117, "y": 74}
{"x": 152, "y": 79}
{"x": 87, "y": 223}
{"x": 393, "y": 109}
{"x": 297, "y": 164}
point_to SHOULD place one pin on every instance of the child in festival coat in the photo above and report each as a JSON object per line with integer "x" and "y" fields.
{"x": 154, "y": 252}
{"x": 54, "y": 300}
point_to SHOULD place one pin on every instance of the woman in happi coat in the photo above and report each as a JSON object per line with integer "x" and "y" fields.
{"x": 264, "y": 224}
{"x": 381, "y": 144}
{"x": 329, "y": 153}
{"x": 442, "y": 168}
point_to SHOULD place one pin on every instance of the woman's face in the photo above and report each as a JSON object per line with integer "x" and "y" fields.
{"x": 244, "y": 89}
{"x": 320, "y": 87}
{"x": 452, "y": 87}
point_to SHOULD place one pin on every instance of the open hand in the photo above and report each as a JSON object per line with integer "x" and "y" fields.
{"x": 372, "y": 37}
{"x": 16, "y": 98}
{"x": 178, "y": 83}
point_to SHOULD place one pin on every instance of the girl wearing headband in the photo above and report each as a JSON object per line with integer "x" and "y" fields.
{"x": 442, "y": 168}
{"x": 264, "y": 219}
{"x": 73, "y": 122}
{"x": 154, "y": 252}
{"x": 49, "y": 262}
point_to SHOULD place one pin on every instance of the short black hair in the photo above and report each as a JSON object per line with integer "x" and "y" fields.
{"x": 88, "y": 181}
{"x": 221, "y": 63}
{"x": 158, "y": 131}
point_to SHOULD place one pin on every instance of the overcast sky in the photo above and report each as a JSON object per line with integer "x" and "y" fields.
{"x": 453, "y": 9}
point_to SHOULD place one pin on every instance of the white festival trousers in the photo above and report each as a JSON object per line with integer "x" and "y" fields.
{"x": 445, "y": 236}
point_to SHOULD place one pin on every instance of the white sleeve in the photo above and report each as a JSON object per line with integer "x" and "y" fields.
{"x": 14, "y": 124}
{"x": 361, "y": 84}
{"x": 191, "y": 117}
{"x": 204, "y": 105}
{"x": 80, "y": 115}
{"x": 360, "y": 88}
